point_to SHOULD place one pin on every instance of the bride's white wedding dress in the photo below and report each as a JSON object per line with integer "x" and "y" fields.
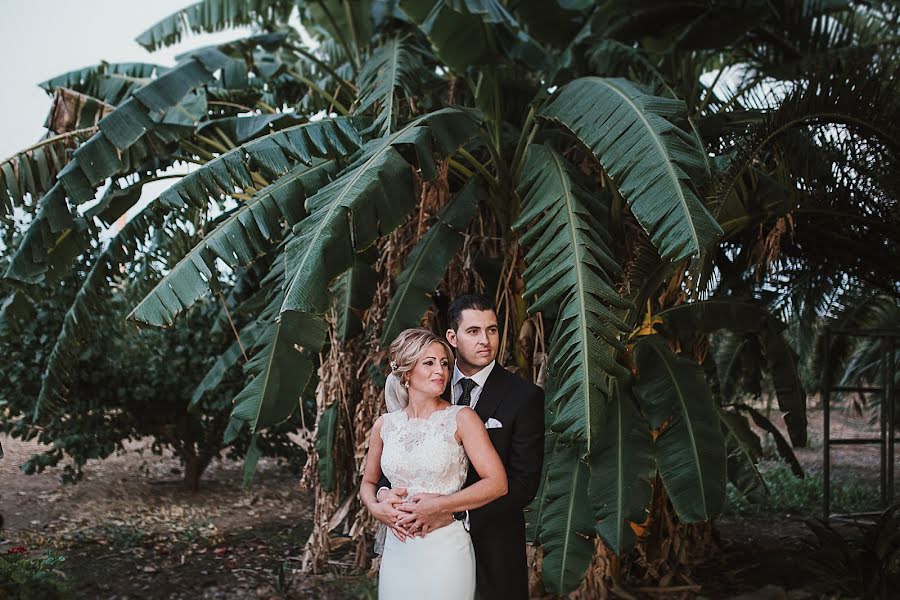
{"x": 423, "y": 455}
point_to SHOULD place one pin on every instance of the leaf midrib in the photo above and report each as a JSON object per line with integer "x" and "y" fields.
{"x": 217, "y": 232}
{"x": 572, "y": 496}
{"x": 688, "y": 425}
{"x": 579, "y": 284}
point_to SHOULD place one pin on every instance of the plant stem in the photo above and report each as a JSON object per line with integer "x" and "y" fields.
{"x": 340, "y": 107}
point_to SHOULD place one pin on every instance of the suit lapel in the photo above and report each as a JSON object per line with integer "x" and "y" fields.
{"x": 491, "y": 394}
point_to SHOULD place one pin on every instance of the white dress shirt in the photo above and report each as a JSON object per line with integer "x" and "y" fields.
{"x": 479, "y": 378}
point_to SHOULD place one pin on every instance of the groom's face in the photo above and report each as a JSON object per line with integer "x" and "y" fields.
{"x": 476, "y": 341}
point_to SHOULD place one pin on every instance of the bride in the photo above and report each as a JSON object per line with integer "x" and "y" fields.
{"x": 425, "y": 444}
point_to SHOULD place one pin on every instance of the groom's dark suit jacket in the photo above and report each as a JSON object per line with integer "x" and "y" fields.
{"x": 498, "y": 528}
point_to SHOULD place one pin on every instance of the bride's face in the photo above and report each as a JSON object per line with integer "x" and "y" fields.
{"x": 431, "y": 372}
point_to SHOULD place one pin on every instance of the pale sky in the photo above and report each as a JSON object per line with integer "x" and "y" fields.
{"x": 40, "y": 39}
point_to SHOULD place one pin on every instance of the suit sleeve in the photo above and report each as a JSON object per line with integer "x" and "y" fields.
{"x": 525, "y": 463}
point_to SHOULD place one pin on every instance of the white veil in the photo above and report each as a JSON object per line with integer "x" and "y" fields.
{"x": 396, "y": 397}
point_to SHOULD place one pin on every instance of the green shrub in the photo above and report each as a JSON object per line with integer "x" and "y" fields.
{"x": 788, "y": 493}
{"x": 24, "y": 578}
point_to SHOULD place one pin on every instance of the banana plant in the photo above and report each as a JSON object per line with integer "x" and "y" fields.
{"x": 625, "y": 177}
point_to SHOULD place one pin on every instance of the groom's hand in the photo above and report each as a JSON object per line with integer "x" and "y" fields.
{"x": 423, "y": 514}
{"x": 385, "y": 510}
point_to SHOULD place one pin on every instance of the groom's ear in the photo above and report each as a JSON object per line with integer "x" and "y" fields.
{"x": 451, "y": 337}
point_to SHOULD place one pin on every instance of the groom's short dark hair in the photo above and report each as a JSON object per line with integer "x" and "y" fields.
{"x": 464, "y": 302}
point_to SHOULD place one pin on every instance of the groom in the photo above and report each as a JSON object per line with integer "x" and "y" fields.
{"x": 513, "y": 412}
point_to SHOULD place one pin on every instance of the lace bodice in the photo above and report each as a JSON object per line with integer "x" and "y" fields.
{"x": 423, "y": 455}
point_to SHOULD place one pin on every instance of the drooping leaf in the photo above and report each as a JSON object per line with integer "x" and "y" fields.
{"x": 108, "y": 152}
{"x": 781, "y": 444}
{"x": 80, "y": 327}
{"x": 274, "y": 155}
{"x": 395, "y": 66}
{"x": 223, "y": 363}
{"x": 534, "y": 512}
{"x": 370, "y": 198}
{"x": 248, "y": 232}
{"x": 325, "y": 447}
{"x": 649, "y": 158}
{"x": 426, "y": 264}
{"x": 73, "y": 110}
{"x": 747, "y": 318}
{"x": 245, "y": 128}
{"x": 251, "y": 459}
{"x": 690, "y": 448}
{"x": 570, "y": 265}
{"x": 744, "y": 449}
{"x": 353, "y": 292}
{"x": 107, "y": 82}
{"x": 622, "y": 471}
{"x": 281, "y": 367}
{"x": 567, "y": 524}
{"x": 461, "y": 32}
{"x": 783, "y": 363}
{"x": 209, "y": 16}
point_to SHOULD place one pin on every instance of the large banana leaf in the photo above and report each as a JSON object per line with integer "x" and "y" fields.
{"x": 743, "y": 317}
{"x": 650, "y": 159}
{"x": 229, "y": 358}
{"x": 690, "y": 448}
{"x": 534, "y": 512}
{"x": 209, "y": 16}
{"x": 247, "y": 233}
{"x": 783, "y": 363}
{"x": 274, "y": 154}
{"x": 781, "y": 444}
{"x": 744, "y": 449}
{"x": 570, "y": 265}
{"x": 461, "y": 32}
{"x": 281, "y": 367}
{"x": 325, "y": 431}
{"x": 426, "y": 264}
{"x": 622, "y": 471}
{"x": 394, "y": 66}
{"x": 567, "y": 524}
{"x": 107, "y": 82}
{"x": 370, "y": 198}
{"x": 353, "y": 293}
{"x": 79, "y": 327}
{"x": 110, "y": 152}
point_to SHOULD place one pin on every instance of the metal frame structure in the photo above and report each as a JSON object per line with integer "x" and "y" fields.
{"x": 887, "y": 439}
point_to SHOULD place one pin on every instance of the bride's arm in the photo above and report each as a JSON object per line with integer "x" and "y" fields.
{"x": 428, "y": 508}
{"x": 383, "y": 511}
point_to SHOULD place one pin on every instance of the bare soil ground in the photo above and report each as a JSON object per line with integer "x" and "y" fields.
{"x": 130, "y": 530}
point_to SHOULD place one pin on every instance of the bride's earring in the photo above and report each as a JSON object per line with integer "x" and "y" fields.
{"x": 406, "y": 384}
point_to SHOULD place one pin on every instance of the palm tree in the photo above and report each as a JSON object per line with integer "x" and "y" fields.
{"x": 628, "y": 180}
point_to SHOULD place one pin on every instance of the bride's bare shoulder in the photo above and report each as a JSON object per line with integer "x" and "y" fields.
{"x": 466, "y": 417}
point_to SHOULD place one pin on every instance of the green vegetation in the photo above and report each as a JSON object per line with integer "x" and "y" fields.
{"x": 24, "y": 578}
{"x": 789, "y": 494}
{"x": 666, "y": 199}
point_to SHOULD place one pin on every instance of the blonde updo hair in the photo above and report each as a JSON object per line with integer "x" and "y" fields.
{"x": 404, "y": 352}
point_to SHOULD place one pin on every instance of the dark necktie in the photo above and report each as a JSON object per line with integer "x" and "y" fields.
{"x": 467, "y": 386}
